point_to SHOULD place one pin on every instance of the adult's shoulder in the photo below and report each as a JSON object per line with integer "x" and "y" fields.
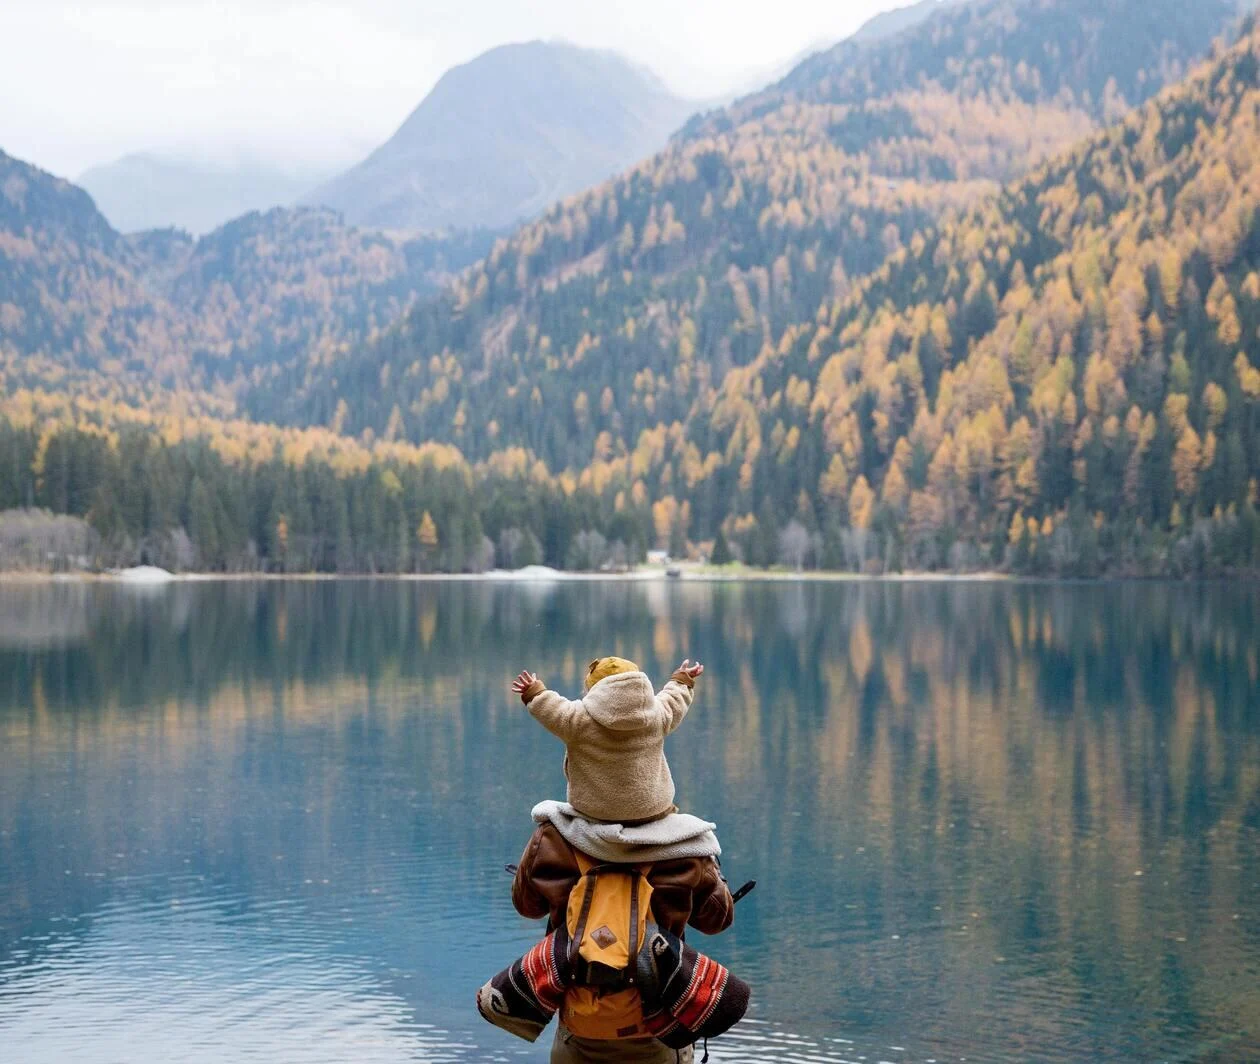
{"x": 548, "y": 847}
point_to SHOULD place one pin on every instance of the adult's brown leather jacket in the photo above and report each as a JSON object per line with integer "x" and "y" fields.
{"x": 685, "y": 890}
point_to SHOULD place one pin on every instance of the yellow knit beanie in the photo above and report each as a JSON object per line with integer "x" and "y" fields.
{"x": 602, "y": 668}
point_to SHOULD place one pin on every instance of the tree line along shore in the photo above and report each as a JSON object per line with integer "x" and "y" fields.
{"x": 78, "y": 500}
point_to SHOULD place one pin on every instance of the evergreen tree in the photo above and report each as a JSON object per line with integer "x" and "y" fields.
{"x": 203, "y": 525}
{"x": 721, "y": 550}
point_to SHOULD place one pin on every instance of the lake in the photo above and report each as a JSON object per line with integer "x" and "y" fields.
{"x": 268, "y": 821}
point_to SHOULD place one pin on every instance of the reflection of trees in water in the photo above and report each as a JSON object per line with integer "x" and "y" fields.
{"x": 42, "y": 615}
{"x": 1014, "y": 752}
{"x": 1023, "y": 752}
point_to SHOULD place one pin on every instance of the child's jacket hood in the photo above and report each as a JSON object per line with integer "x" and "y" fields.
{"x": 624, "y": 702}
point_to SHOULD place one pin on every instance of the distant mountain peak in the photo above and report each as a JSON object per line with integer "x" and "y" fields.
{"x": 502, "y": 136}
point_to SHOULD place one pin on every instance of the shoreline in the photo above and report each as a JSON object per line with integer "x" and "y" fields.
{"x": 643, "y": 574}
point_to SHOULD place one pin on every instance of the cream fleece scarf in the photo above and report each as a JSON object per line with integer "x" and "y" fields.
{"x": 674, "y": 836}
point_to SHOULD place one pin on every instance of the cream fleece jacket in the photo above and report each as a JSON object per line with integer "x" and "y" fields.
{"x": 615, "y": 744}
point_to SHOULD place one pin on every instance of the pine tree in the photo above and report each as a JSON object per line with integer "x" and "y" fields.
{"x": 202, "y": 525}
{"x": 721, "y": 550}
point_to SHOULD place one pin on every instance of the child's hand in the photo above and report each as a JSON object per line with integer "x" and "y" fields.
{"x": 523, "y": 682}
{"x": 692, "y": 669}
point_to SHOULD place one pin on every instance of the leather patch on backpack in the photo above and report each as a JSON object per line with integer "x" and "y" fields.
{"x": 603, "y": 937}
{"x": 626, "y": 1032}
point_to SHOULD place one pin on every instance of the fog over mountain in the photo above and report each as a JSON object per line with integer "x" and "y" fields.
{"x": 101, "y": 81}
{"x": 152, "y": 191}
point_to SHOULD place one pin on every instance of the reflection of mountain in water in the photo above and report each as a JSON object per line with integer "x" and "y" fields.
{"x": 979, "y": 770}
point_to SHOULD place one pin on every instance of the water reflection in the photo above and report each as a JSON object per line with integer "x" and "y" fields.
{"x": 166, "y": 979}
{"x": 988, "y": 820}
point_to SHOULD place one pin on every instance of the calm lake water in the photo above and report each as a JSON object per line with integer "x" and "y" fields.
{"x": 989, "y": 822}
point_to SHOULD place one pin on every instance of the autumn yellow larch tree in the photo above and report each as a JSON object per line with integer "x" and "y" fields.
{"x": 861, "y": 504}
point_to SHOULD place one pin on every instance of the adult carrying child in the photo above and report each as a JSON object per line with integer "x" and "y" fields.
{"x": 619, "y": 874}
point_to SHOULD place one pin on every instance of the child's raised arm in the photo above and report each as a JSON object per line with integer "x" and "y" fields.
{"x": 558, "y": 715}
{"x": 675, "y": 697}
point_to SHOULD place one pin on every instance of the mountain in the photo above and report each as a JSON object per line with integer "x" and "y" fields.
{"x": 504, "y": 136}
{"x": 145, "y": 191}
{"x": 82, "y": 306}
{"x": 1060, "y": 378}
{"x": 757, "y": 77}
{"x": 876, "y": 28}
{"x": 622, "y": 310}
{"x": 69, "y": 296}
{"x": 707, "y": 328}
{"x": 985, "y": 293}
{"x": 269, "y": 286}
{"x": 1067, "y": 376}
{"x": 1070, "y": 51}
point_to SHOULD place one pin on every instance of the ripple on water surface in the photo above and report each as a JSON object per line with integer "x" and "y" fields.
{"x": 183, "y": 978}
{"x": 180, "y": 971}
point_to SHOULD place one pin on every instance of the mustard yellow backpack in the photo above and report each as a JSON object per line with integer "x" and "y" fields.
{"x": 606, "y": 918}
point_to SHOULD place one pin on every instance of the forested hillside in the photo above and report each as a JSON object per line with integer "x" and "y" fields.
{"x": 267, "y": 287}
{"x": 1066, "y": 368}
{"x": 1078, "y": 353}
{"x": 647, "y": 290}
{"x": 68, "y": 294}
{"x": 84, "y": 308}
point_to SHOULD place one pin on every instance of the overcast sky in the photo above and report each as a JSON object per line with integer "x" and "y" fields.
{"x": 83, "y": 83}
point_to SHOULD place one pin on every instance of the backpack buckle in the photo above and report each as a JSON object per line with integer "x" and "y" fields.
{"x": 599, "y": 976}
